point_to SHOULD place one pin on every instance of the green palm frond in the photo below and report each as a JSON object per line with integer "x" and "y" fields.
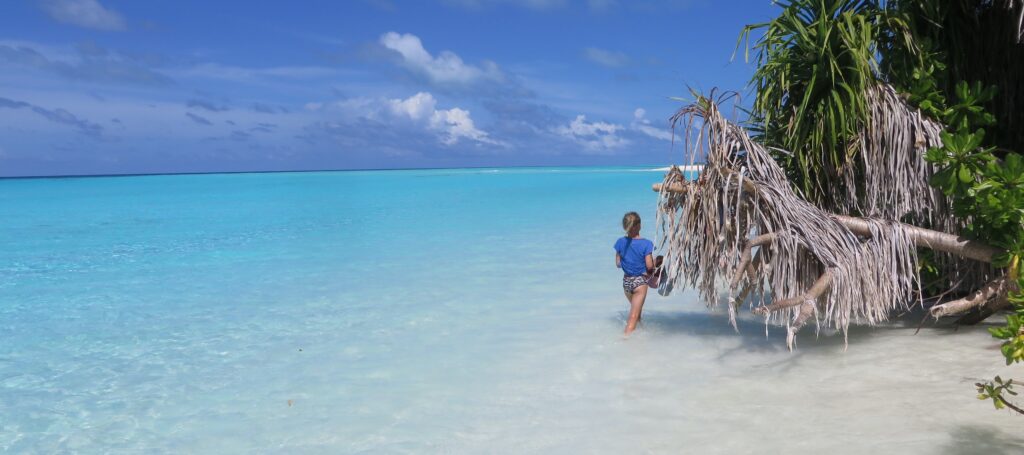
{"x": 814, "y": 62}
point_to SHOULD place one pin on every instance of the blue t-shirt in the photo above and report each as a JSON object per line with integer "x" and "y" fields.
{"x": 633, "y": 252}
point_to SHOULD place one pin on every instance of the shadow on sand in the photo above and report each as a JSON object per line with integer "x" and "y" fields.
{"x": 974, "y": 439}
{"x": 755, "y": 336}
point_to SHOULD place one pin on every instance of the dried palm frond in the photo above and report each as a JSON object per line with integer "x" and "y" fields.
{"x": 895, "y": 177}
{"x": 706, "y": 225}
{"x": 741, "y": 224}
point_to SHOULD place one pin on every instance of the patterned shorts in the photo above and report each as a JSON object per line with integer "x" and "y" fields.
{"x": 630, "y": 283}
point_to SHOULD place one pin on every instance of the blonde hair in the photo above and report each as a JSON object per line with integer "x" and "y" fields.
{"x": 631, "y": 223}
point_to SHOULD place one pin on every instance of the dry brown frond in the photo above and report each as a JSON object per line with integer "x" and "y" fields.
{"x": 743, "y": 193}
{"x": 741, "y": 224}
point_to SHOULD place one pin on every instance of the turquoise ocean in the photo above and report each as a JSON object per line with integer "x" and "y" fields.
{"x": 426, "y": 311}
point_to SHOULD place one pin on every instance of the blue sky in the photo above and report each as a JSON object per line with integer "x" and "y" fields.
{"x": 109, "y": 87}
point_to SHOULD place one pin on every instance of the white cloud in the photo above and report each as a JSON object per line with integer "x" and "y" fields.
{"x": 641, "y": 124}
{"x": 419, "y": 110}
{"x": 446, "y": 68}
{"x": 453, "y": 124}
{"x": 606, "y": 58}
{"x": 84, "y": 13}
{"x": 456, "y": 123}
{"x": 599, "y": 137}
{"x": 417, "y": 107}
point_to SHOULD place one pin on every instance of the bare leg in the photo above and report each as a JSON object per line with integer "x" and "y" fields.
{"x": 636, "y": 306}
{"x": 629, "y": 300}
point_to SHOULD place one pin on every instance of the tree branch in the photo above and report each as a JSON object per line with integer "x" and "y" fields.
{"x": 984, "y": 311}
{"x": 745, "y": 258}
{"x": 1010, "y": 405}
{"x": 925, "y": 238}
{"x": 986, "y": 300}
{"x": 817, "y": 289}
{"x": 806, "y": 311}
{"x": 997, "y": 289}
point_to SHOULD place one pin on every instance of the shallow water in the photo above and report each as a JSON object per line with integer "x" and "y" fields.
{"x": 443, "y": 311}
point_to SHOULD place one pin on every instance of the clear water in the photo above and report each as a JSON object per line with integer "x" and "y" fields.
{"x": 442, "y": 311}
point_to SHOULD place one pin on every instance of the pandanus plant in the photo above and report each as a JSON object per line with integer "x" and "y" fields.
{"x": 878, "y": 171}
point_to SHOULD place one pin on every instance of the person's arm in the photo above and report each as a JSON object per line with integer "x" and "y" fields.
{"x": 618, "y": 261}
{"x": 648, "y": 258}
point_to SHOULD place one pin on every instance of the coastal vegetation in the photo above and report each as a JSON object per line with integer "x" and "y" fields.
{"x": 878, "y": 169}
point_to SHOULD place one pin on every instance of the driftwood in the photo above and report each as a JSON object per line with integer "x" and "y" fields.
{"x": 742, "y": 223}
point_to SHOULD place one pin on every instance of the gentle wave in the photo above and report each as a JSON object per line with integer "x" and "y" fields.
{"x": 691, "y": 167}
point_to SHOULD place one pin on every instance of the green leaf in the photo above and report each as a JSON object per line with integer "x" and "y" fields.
{"x": 965, "y": 174}
{"x": 935, "y": 155}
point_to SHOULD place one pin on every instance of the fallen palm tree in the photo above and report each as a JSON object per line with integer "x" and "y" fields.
{"x": 741, "y": 225}
{"x": 885, "y": 135}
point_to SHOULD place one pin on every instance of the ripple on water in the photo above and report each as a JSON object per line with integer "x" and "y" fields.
{"x": 467, "y": 312}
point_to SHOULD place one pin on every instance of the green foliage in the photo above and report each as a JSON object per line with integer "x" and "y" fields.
{"x": 969, "y": 109}
{"x": 988, "y": 192}
{"x": 994, "y": 390}
{"x": 954, "y": 41}
{"x": 814, "y": 62}
{"x": 985, "y": 190}
{"x": 963, "y": 157}
{"x": 1013, "y": 346}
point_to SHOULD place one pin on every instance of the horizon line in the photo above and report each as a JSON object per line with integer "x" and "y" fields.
{"x": 155, "y": 174}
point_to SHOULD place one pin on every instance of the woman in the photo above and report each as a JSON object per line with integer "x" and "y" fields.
{"x": 633, "y": 256}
